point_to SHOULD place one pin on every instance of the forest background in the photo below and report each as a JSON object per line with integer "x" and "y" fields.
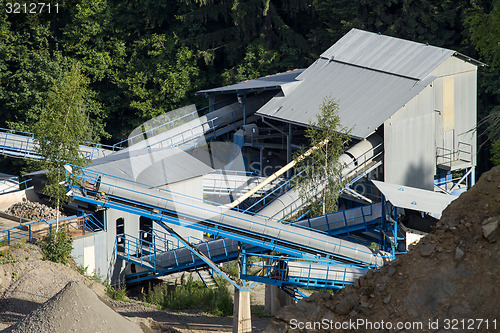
{"x": 147, "y": 57}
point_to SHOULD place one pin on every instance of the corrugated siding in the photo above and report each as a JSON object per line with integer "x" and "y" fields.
{"x": 388, "y": 54}
{"x": 366, "y": 97}
{"x": 464, "y": 77}
{"x": 409, "y": 143}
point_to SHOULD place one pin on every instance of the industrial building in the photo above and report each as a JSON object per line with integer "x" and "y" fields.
{"x": 411, "y": 109}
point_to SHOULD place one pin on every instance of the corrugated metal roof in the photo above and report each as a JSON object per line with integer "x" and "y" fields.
{"x": 387, "y": 54}
{"x": 275, "y": 81}
{"x": 414, "y": 198}
{"x": 366, "y": 97}
{"x": 153, "y": 167}
{"x": 370, "y": 76}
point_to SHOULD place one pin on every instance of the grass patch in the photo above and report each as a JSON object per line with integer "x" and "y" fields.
{"x": 191, "y": 295}
{"x": 6, "y": 257}
{"x": 258, "y": 311}
{"x": 118, "y": 293}
{"x": 95, "y": 276}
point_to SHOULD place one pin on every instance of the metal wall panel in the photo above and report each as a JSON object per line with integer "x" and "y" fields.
{"x": 464, "y": 94}
{"x": 409, "y": 143}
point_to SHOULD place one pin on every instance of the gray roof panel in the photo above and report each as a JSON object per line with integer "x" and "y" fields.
{"x": 275, "y": 81}
{"x": 414, "y": 198}
{"x": 366, "y": 97}
{"x": 153, "y": 167}
{"x": 387, "y": 54}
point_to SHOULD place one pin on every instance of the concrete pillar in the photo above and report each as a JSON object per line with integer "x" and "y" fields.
{"x": 242, "y": 317}
{"x": 275, "y": 299}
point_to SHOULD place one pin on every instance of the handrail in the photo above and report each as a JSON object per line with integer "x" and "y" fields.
{"x": 170, "y": 122}
{"x": 87, "y": 173}
{"x": 290, "y": 181}
{"x": 16, "y": 186}
{"x": 448, "y": 155}
{"x": 17, "y": 231}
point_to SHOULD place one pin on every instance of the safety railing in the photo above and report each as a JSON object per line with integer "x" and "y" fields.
{"x": 308, "y": 274}
{"x": 38, "y": 229}
{"x": 158, "y": 129}
{"x": 236, "y": 184}
{"x": 169, "y": 125}
{"x": 150, "y": 254}
{"x": 87, "y": 180}
{"x": 92, "y": 224}
{"x": 16, "y": 187}
{"x": 24, "y": 144}
{"x": 446, "y": 156}
{"x": 345, "y": 221}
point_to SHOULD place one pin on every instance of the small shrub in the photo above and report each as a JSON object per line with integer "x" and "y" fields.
{"x": 232, "y": 269}
{"x": 118, "y": 293}
{"x": 82, "y": 269}
{"x": 57, "y": 247}
{"x": 191, "y": 295}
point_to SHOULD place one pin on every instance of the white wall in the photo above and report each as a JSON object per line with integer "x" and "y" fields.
{"x": 442, "y": 115}
{"x": 461, "y": 76}
{"x": 409, "y": 143}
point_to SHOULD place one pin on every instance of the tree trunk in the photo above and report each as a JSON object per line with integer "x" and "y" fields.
{"x": 57, "y": 215}
{"x": 326, "y": 179}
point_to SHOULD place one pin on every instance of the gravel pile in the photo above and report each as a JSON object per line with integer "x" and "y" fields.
{"x": 75, "y": 308}
{"x": 33, "y": 211}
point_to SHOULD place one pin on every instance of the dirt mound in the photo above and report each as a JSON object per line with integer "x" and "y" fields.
{"x": 450, "y": 279}
{"x": 74, "y": 309}
{"x": 25, "y": 285}
{"x": 33, "y": 211}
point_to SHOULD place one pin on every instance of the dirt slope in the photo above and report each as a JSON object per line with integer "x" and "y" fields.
{"x": 75, "y": 308}
{"x": 453, "y": 273}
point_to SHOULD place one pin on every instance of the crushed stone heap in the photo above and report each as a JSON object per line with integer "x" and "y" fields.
{"x": 33, "y": 211}
{"x": 75, "y": 308}
{"x": 451, "y": 274}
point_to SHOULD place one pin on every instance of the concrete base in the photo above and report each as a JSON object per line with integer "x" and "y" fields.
{"x": 242, "y": 317}
{"x": 275, "y": 299}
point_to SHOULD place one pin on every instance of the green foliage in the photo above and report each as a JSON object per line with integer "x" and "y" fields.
{"x": 6, "y": 257}
{"x": 232, "y": 269}
{"x": 191, "y": 295}
{"x": 321, "y": 170}
{"x": 258, "y": 61}
{"x": 496, "y": 153}
{"x": 144, "y": 58}
{"x": 57, "y": 246}
{"x": 62, "y": 125}
{"x": 94, "y": 276}
{"x": 483, "y": 24}
{"x": 118, "y": 293}
{"x": 438, "y": 23}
